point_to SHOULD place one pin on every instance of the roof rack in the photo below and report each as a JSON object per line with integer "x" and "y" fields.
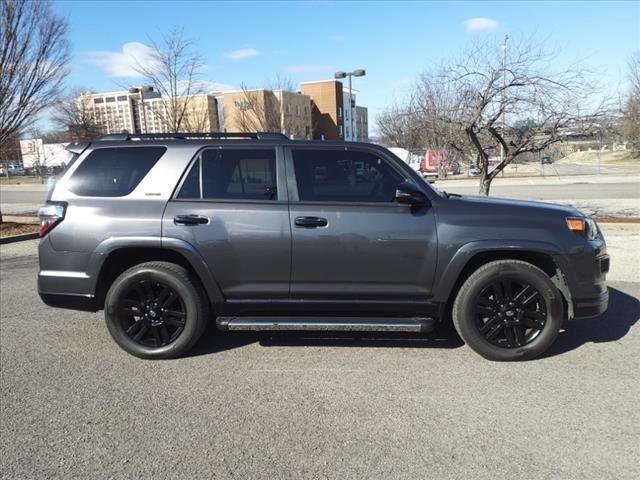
{"x": 194, "y": 136}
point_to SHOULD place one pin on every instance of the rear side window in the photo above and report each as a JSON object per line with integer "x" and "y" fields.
{"x": 113, "y": 172}
{"x": 233, "y": 174}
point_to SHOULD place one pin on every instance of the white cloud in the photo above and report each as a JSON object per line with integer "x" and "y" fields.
{"x": 123, "y": 64}
{"x": 309, "y": 68}
{"x": 481, "y": 24}
{"x": 242, "y": 53}
{"x": 338, "y": 38}
{"x": 208, "y": 87}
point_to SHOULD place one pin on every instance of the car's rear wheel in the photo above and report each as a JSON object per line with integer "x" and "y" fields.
{"x": 508, "y": 310}
{"x": 156, "y": 310}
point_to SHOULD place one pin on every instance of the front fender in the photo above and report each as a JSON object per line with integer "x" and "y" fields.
{"x": 452, "y": 267}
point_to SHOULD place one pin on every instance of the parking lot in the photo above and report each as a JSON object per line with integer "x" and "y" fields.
{"x": 73, "y": 405}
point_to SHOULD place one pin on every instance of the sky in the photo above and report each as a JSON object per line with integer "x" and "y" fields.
{"x": 252, "y": 43}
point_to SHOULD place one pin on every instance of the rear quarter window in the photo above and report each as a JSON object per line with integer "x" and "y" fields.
{"x": 113, "y": 172}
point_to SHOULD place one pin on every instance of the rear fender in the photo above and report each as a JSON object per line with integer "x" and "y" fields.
{"x": 181, "y": 247}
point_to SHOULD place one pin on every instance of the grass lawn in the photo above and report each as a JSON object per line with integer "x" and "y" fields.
{"x": 625, "y": 157}
{"x": 20, "y": 180}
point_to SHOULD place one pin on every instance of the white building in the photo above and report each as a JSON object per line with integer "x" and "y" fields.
{"x": 358, "y": 130}
{"x": 121, "y": 111}
{"x": 36, "y": 153}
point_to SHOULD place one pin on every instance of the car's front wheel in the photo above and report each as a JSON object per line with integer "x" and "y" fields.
{"x": 508, "y": 310}
{"x": 156, "y": 310}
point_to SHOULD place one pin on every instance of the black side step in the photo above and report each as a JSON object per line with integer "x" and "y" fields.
{"x": 353, "y": 324}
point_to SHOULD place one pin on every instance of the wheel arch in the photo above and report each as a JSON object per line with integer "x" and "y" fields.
{"x": 547, "y": 257}
{"x": 114, "y": 256}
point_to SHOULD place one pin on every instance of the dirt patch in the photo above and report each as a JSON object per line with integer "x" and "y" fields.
{"x": 11, "y": 229}
{"x": 605, "y": 219}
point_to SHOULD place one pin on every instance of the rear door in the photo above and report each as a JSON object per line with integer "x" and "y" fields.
{"x": 350, "y": 239}
{"x": 232, "y": 206}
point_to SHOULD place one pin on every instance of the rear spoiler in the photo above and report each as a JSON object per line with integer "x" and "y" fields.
{"x": 77, "y": 147}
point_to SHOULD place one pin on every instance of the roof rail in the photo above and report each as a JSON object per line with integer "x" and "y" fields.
{"x": 194, "y": 136}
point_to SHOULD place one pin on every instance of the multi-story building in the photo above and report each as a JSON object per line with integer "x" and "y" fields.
{"x": 327, "y": 108}
{"x": 332, "y": 113}
{"x": 361, "y": 123}
{"x": 265, "y": 110}
{"x": 320, "y": 111}
{"x": 114, "y": 112}
{"x": 117, "y": 112}
{"x": 356, "y": 130}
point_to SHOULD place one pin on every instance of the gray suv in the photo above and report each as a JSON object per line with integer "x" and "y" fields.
{"x": 258, "y": 232}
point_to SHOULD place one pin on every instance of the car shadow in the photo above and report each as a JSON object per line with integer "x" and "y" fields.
{"x": 614, "y": 324}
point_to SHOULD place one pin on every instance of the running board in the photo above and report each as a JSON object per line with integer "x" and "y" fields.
{"x": 351, "y": 324}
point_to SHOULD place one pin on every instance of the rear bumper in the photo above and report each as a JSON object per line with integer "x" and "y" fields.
{"x": 72, "y": 302}
{"x": 591, "y": 307}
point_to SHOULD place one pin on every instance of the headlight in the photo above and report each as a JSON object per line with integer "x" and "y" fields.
{"x": 584, "y": 226}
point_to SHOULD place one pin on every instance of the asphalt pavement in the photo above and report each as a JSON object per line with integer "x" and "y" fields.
{"x": 73, "y": 405}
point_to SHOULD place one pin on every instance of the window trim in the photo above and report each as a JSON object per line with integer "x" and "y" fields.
{"x": 281, "y": 185}
{"x": 293, "y": 183}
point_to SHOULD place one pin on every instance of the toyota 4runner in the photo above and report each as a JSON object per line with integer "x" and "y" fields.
{"x": 258, "y": 232}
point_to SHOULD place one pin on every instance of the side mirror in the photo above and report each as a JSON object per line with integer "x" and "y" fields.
{"x": 410, "y": 194}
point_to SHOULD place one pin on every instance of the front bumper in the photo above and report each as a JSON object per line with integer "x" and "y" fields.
{"x": 590, "y": 295}
{"x": 591, "y": 307}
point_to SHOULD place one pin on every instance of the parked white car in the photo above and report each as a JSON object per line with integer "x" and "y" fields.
{"x": 14, "y": 169}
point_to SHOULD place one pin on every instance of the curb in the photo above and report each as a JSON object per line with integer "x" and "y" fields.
{"x": 19, "y": 238}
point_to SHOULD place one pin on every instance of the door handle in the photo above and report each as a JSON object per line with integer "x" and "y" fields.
{"x": 311, "y": 222}
{"x": 190, "y": 220}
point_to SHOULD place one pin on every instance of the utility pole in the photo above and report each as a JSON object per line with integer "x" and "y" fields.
{"x": 504, "y": 87}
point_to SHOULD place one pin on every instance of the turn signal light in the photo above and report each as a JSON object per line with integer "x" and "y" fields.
{"x": 584, "y": 226}
{"x": 576, "y": 225}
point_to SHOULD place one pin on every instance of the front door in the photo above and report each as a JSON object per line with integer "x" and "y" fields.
{"x": 230, "y": 208}
{"x": 350, "y": 239}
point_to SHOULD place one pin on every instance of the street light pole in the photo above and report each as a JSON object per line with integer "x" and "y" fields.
{"x": 355, "y": 73}
{"x": 351, "y": 107}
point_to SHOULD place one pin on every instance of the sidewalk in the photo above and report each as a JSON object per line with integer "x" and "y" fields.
{"x": 546, "y": 180}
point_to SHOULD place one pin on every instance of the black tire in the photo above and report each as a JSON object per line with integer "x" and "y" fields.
{"x": 167, "y": 327}
{"x": 507, "y": 330}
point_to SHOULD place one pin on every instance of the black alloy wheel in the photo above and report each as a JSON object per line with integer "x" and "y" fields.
{"x": 156, "y": 310}
{"x": 508, "y": 310}
{"x": 510, "y": 313}
{"x": 152, "y": 314}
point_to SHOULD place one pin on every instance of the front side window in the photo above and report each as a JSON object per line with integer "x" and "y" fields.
{"x": 113, "y": 172}
{"x": 344, "y": 176}
{"x": 233, "y": 174}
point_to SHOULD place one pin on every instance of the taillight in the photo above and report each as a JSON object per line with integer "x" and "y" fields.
{"x": 50, "y": 215}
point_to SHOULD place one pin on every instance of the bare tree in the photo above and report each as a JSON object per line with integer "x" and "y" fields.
{"x": 34, "y": 54}
{"x": 174, "y": 71}
{"x": 258, "y": 110}
{"x": 424, "y": 122}
{"x": 74, "y": 117}
{"x": 476, "y": 103}
{"x": 500, "y": 88}
{"x": 269, "y": 110}
{"x": 631, "y": 112}
{"x": 399, "y": 126}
